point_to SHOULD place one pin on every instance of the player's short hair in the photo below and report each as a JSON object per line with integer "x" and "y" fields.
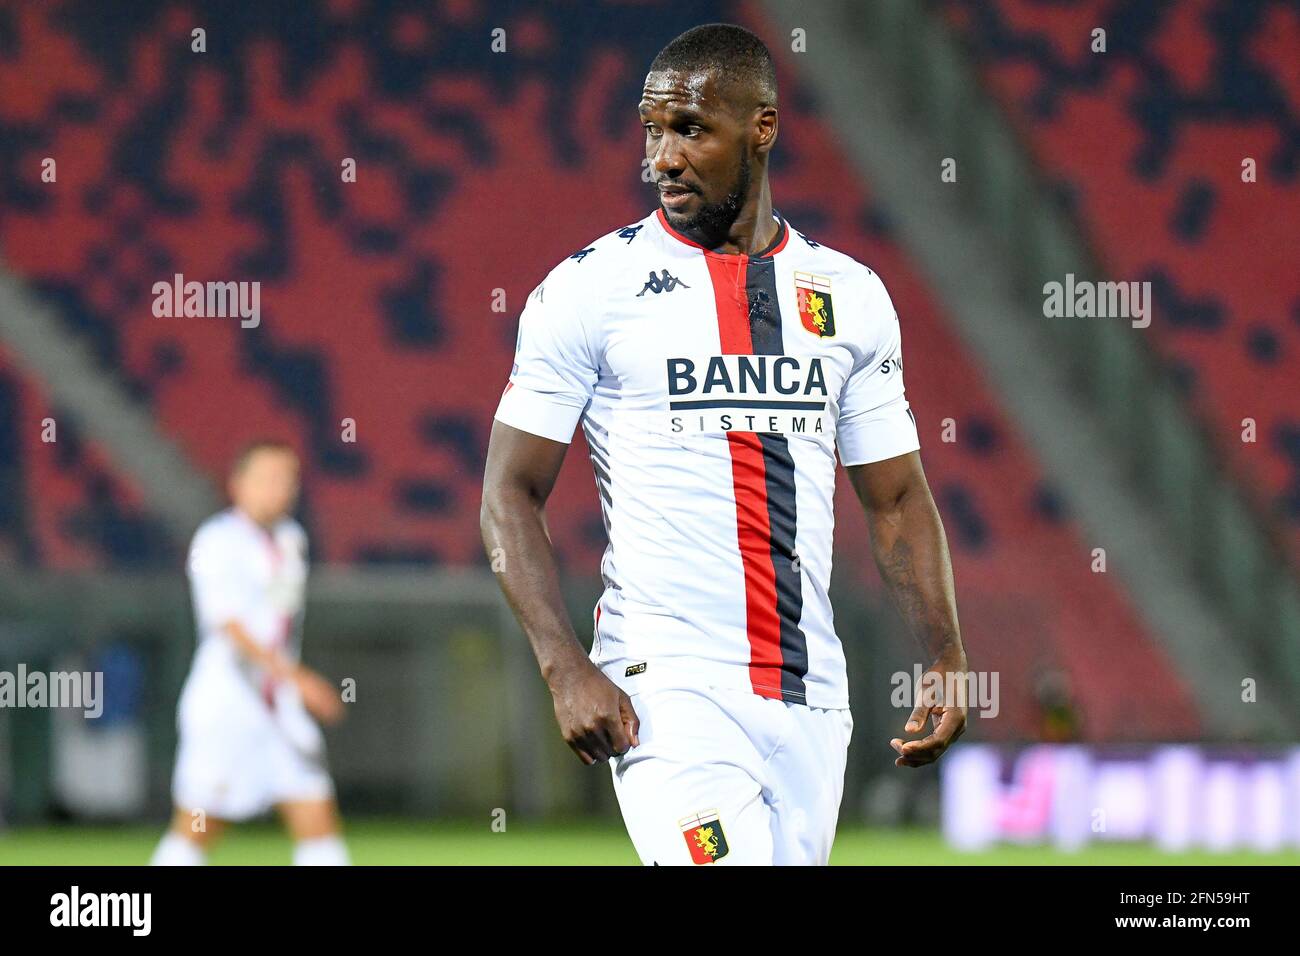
{"x": 740, "y": 58}
{"x": 251, "y": 448}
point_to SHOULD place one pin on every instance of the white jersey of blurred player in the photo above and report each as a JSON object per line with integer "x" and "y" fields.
{"x": 247, "y": 741}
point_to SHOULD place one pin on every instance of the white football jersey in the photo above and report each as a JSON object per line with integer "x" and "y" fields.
{"x": 247, "y": 743}
{"x": 240, "y": 571}
{"x": 713, "y": 391}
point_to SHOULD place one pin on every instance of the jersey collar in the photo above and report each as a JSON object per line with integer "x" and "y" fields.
{"x": 775, "y": 246}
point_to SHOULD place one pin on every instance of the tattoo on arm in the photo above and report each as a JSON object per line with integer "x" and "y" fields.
{"x": 912, "y": 555}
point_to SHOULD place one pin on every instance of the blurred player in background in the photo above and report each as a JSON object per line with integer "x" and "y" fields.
{"x": 717, "y": 358}
{"x": 247, "y": 738}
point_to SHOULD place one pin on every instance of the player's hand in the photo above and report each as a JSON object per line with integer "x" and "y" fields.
{"x": 596, "y": 718}
{"x": 941, "y": 696}
{"x": 321, "y": 698}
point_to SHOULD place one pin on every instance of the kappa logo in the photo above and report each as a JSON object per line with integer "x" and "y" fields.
{"x": 813, "y": 294}
{"x": 664, "y": 282}
{"x": 704, "y": 837}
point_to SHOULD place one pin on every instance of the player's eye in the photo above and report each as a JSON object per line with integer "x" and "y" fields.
{"x": 652, "y": 129}
{"x": 693, "y": 130}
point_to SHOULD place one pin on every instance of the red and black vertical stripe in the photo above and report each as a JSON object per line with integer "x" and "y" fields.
{"x": 762, "y": 467}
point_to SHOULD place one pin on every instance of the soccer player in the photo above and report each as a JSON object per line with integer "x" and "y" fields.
{"x": 247, "y": 738}
{"x": 716, "y": 359}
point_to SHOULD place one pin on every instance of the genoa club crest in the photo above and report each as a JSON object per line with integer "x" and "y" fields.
{"x": 813, "y": 293}
{"x": 704, "y": 837}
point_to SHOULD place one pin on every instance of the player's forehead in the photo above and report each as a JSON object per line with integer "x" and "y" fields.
{"x": 682, "y": 91}
{"x": 264, "y": 459}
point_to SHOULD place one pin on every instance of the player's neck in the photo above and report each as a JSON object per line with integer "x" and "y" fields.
{"x": 262, "y": 521}
{"x": 753, "y": 231}
{"x": 759, "y": 232}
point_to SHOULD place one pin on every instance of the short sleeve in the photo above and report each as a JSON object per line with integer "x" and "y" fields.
{"x": 219, "y": 580}
{"x": 555, "y": 368}
{"x": 875, "y": 421}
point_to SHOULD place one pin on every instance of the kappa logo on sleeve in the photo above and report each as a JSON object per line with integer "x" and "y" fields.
{"x": 704, "y": 837}
{"x": 813, "y": 294}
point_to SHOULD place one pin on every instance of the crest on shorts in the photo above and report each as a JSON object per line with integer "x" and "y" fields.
{"x": 704, "y": 836}
{"x": 813, "y": 294}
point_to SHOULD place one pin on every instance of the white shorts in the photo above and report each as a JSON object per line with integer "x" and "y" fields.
{"x": 237, "y": 758}
{"x": 727, "y": 776}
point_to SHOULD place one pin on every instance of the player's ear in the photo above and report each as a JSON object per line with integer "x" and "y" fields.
{"x": 765, "y": 129}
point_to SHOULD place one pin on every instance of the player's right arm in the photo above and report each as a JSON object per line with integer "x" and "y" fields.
{"x": 596, "y": 718}
{"x": 552, "y": 381}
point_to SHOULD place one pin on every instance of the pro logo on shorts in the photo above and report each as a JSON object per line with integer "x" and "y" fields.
{"x": 704, "y": 837}
{"x": 813, "y": 294}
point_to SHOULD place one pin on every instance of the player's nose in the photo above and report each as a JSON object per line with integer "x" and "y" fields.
{"x": 668, "y": 158}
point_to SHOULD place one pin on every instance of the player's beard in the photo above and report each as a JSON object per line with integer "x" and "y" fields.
{"x": 713, "y": 221}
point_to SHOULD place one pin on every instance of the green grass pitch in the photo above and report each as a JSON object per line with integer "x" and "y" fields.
{"x": 527, "y": 843}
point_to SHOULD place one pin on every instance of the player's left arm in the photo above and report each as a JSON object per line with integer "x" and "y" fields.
{"x": 911, "y": 551}
{"x": 878, "y": 444}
